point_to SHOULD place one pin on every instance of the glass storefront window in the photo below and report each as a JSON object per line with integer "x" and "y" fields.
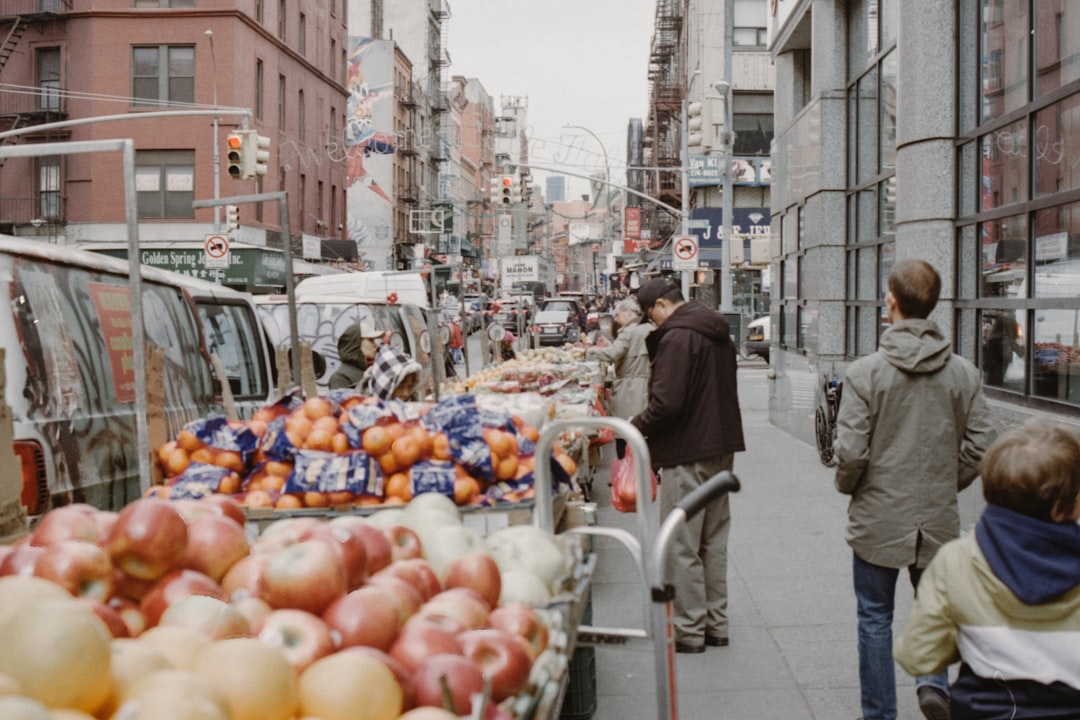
{"x": 867, "y": 288}
{"x": 1005, "y": 34}
{"x": 886, "y": 260}
{"x": 1056, "y": 140}
{"x": 867, "y": 127}
{"x": 888, "y": 112}
{"x": 1004, "y": 258}
{"x": 887, "y": 206}
{"x": 1055, "y": 358}
{"x": 1002, "y": 356}
{"x": 968, "y": 179}
{"x": 1005, "y": 167}
{"x": 1057, "y": 44}
{"x": 868, "y": 228}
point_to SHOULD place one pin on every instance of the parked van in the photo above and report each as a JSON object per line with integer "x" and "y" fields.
{"x": 395, "y": 303}
{"x": 69, "y": 379}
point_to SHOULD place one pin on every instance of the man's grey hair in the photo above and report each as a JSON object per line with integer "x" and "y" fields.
{"x": 629, "y": 304}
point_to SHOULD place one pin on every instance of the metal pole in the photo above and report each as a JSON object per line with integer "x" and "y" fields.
{"x": 685, "y": 162}
{"x": 217, "y": 160}
{"x": 726, "y": 304}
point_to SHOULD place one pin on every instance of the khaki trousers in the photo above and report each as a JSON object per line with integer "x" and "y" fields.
{"x": 697, "y": 555}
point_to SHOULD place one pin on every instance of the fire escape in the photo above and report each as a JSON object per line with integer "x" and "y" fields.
{"x": 662, "y": 133}
{"x": 30, "y": 95}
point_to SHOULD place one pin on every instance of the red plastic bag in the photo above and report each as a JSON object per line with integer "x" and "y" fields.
{"x": 624, "y": 484}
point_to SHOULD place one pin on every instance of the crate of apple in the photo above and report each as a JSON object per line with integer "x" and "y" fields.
{"x": 319, "y": 425}
{"x": 169, "y": 607}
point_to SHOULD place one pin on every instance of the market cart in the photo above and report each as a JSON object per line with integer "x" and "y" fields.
{"x": 657, "y": 592}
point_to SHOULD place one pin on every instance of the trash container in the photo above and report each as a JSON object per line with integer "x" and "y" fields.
{"x": 735, "y": 320}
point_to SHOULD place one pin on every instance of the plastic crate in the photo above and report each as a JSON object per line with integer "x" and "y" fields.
{"x": 580, "y": 700}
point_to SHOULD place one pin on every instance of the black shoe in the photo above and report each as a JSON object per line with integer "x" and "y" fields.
{"x": 714, "y": 641}
{"x": 688, "y": 648}
{"x": 933, "y": 702}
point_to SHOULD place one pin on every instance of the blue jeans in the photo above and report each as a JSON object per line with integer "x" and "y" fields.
{"x": 875, "y": 591}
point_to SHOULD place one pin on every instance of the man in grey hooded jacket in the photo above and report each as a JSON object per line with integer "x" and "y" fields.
{"x": 912, "y": 427}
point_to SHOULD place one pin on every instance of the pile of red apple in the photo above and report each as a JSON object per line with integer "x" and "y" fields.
{"x": 309, "y": 619}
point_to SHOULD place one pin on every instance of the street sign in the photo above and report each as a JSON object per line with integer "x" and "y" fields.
{"x": 216, "y": 251}
{"x": 684, "y": 252}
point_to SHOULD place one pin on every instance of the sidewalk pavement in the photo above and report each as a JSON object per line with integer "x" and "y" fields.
{"x": 791, "y": 608}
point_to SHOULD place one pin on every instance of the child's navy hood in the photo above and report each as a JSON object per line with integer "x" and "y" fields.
{"x": 1039, "y": 561}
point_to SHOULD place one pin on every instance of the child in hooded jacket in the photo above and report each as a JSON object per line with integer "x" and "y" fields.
{"x": 1005, "y": 600}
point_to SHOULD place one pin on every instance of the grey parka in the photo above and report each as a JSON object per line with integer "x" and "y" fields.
{"x": 912, "y": 428}
{"x": 630, "y": 390}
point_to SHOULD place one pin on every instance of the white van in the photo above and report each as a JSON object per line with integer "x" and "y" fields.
{"x": 69, "y": 379}
{"x": 395, "y": 303}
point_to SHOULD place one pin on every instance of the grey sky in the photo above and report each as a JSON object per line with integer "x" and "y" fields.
{"x": 580, "y": 62}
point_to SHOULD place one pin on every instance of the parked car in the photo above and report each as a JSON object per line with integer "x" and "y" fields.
{"x": 757, "y": 338}
{"x": 511, "y": 315}
{"x": 570, "y": 305}
{"x": 553, "y": 327}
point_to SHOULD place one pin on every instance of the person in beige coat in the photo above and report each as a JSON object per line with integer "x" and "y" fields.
{"x": 630, "y": 390}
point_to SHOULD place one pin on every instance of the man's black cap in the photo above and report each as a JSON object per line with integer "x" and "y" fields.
{"x": 651, "y": 291}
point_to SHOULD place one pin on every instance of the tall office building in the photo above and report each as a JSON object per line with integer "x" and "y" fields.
{"x": 555, "y": 188}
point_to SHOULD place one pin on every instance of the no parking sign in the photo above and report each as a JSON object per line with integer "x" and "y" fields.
{"x": 216, "y": 251}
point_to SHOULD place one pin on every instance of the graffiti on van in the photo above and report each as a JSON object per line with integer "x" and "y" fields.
{"x": 70, "y": 377}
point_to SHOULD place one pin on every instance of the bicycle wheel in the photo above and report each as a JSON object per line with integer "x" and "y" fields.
{"x": 823, "y": 434}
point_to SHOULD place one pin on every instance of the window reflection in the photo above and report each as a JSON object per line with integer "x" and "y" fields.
{"x": 1005, "y": 53}
{"x": 1004, "y": 258}
{"x": 1003, "y": 350}
{"x": 1005, "y": 166}
{"x": 1056, "y": 136}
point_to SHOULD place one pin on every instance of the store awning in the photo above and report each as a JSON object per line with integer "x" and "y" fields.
{"x": 467, "y": 249}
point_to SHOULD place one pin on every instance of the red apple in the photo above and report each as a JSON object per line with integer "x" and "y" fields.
{"x": 104, "y": 520}
{"x": 130, "y": 614}
{"x": 418, "y": 573}
{"x": 214, "y": 544}
{"x": 148, "y": 539}
{"x": 287, "y": 530}
{"x": 364, "y": 617}
{"x": 242, "y": 579}
{"x": 477, "y": 571}
{"x": 227, "y": 506}
{"x": 461, "y": 675}
{"x": 422, "y": 637}
{"x": 404, "y": 542}
{"x": 108, "y": 615}
{"x": 172, "y": 587}
{"x": 132, "y": 588}
{"x": 70, "y": 522}
{"x": 523, "y": 621}
{"x": 302, "y": 637}
{"x": 405, "y": 598}
{"x": 306, "y": 576}
{"x": 82, "y": 568}
{"x": 21, "y": 560}
{"x": 501, "y": 658}
{"x": 379, "y": 552}
{"x": 404, "y": 677}
{"x": 463, "y": 604}
{"x": 348, "y": 547}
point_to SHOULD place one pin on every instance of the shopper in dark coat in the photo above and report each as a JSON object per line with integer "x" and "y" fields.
{"x": 350, "y": 351}
{"x": 693, "y": 426}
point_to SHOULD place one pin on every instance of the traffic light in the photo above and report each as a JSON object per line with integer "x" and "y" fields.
{"x": 232, "y": 217}
{"x": 256, "y": 154}
{"x": 699, "y": 127}
{"x": 507, "y": 190}
{"x": 495, "y": 190}
{"x": 520, "y": 191}
{"x": 235, "y": 145}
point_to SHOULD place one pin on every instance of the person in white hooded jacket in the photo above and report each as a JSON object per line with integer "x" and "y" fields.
{"x": 1005, "y": 600}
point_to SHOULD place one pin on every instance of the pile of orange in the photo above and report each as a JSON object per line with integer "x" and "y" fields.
{"x": 316, "y": 424}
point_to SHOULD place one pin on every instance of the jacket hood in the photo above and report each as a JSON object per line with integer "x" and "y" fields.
{"x": 349, "y": 346}
{"x": 915, "y": 346}
{"x": 695, "y": 316}
{"x": 387, "y": 370}
{"x": 1038, "y": 561}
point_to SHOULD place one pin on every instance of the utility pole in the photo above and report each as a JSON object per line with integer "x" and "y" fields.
{"x": 728, "y": 141}
{"x": 217, "y": 161}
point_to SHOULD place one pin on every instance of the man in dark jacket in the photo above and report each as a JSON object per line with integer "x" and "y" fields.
{"x": 350, "y": 352}
{"x": 693, "y": 427}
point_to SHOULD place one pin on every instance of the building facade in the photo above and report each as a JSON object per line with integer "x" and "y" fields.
{"x": 933, "y": 130}
{"x": 279, "y": 73}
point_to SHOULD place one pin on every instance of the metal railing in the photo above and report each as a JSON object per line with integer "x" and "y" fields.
{"x": 46, "y": 208}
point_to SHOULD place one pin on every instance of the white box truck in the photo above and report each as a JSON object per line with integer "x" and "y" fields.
{"x": 533, "y": 273}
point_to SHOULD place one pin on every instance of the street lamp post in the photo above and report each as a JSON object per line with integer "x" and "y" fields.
{"x": 726, "y": 301}
{"x": 217, "y": 166}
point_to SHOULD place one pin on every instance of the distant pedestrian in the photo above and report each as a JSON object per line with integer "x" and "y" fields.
{"x": 1005, "y": 600}
{"x": 351, "y": 353}
{"x": 693, "y": 426}
{"x": 393, "y": 375}
{"x": 912, "y": 427}
{"x": 630, "y": 390}
{"x": 456, "y": 342}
